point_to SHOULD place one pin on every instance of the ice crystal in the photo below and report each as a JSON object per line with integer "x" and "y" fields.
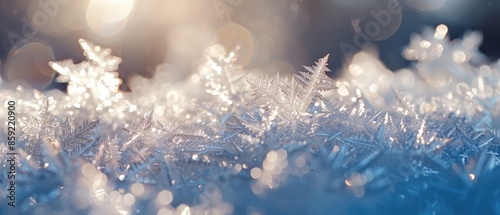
{"x": 96, "y": 75}
{"x": 222, "y": 79}
{"x": 141, "y": 141}
{"x": 40, "y": 127}
{"x": 93, "y": 85}
{"x": 108, "y": 155}
{"x": 305, "y": 134}
{"x": 295, "y": 94}
{"x": 79, "y": 141}
{"x": 313, "y": 81}
{"x": 223, "y": 82}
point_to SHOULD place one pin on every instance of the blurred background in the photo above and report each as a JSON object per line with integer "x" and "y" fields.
{"x": 277, "y": 35}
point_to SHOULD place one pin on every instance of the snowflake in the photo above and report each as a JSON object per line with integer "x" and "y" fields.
{"x": 93, "y": 85}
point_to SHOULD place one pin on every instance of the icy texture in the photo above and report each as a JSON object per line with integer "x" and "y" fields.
{"x": 92, "y": 84}
{"x": 297, "y": 145}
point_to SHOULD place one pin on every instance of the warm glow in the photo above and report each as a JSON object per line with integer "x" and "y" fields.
{"x": 108, "y": 17}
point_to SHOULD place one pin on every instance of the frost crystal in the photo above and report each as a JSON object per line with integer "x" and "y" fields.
{"x": 229, "y": 147}
{"x": 93, "y": 85}
{"x": 79, "y": 141}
